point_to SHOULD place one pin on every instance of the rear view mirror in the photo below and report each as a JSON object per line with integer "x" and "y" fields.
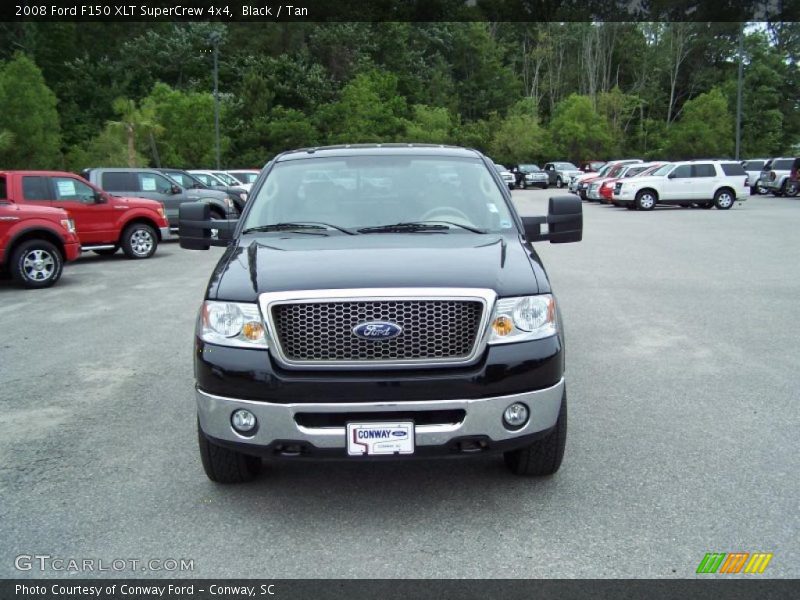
{"x": 564, "y": 222}
{"x": 196, "y": 229}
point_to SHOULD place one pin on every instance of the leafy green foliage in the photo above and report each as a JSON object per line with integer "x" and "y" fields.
{"x": 705, "y": 129}
{"x": 579, "y": 131}
{"x": 185, "y": 126}
{"x": 519, "y": 137}
{"x": 29, "y": 115}
{"x": 599, "y": 89}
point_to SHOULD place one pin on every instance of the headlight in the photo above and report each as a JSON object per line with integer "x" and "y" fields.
{"x": 524, "y": 318}
{"x": 68, "y": 224}
{"x": 232, "y": 324}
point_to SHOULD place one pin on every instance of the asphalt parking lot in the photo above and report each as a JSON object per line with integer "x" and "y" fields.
{"x": 682, "y": 367}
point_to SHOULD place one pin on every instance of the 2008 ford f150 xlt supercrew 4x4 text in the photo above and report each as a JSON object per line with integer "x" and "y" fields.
{"x": 393, "y": 308}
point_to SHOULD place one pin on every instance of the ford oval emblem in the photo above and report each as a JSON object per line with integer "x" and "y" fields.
{"x": 377, "y": 330}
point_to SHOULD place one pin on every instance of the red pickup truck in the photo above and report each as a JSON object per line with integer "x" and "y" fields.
{"x": 104, "y": 223}
{"x": 35, "y": 242}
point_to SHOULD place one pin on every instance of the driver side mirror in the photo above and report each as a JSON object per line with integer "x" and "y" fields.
{"x": 100, "y": 197}
{"x": 564, "y": 222}
{"x": 195, "y": 227}
{"x": 671, "y": 175}
{"x": 175, "y": 189}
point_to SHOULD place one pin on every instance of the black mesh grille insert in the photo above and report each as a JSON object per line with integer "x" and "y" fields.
{"x": 432, "y": 329}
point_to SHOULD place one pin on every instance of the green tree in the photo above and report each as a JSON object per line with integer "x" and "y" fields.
{"x": 519, "y": 138}
{"x": 134, "y": 122}
{"x": 369, "y": 110}
{"x": 108, "y": 148}
{"x": 704, "y": 130}
{"x": 29, "y": 115}
{"x": 186, "y": 121}
{"x": 429, "y": 124}
{"x": 6, "y": 139}
{"x": 578, "y": 131}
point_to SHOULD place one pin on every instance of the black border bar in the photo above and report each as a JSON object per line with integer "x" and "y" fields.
{"x": 400, "y": 10}
{"x": 718, "y": 588}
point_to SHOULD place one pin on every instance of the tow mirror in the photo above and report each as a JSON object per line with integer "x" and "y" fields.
{"x": 564, "y": 222}
{"x": 196, "y": 229}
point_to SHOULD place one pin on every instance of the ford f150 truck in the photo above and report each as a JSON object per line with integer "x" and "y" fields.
{"x": 409, "y": 318}
{"x": 35, "y": 241}
{"x": 104, "y": 223}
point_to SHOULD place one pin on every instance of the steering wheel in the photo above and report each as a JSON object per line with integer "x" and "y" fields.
{"x": 446, "y": 211}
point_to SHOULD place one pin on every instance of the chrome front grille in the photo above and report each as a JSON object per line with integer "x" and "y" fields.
{"x": 433, "y": 330}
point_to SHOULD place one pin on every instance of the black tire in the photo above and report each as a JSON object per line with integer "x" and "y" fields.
{"x": 646, "y": 200}
{"x": 107, "y": 251}
{"x": 139, "y": 241}
{"x": 559, "y": 183}
{"x": 790, "y": 189}
{"x": 544, "y": 456}
{"x": 36, "y": 264}
{"x": 223, "y": 465}
{"x": 724, "y": 199}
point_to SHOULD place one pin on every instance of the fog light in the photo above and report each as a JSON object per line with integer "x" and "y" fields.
{"x": 243, "y": 421}
{"x": 516, "y": 415}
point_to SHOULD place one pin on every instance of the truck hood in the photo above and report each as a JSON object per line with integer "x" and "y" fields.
{"x": 304, "y": 262}
{"x": 136, "y": 202}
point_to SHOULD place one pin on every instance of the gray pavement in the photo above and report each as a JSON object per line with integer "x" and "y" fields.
{"x": 683, "y": 375}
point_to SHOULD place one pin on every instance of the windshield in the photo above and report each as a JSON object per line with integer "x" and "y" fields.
{"x": 183, "y": 179}
{"x": 660, "y": 172}
{"x": 225, "y": 178}
{"x": 245, "y": 177}
{"x": 566, "y": 167}
{"x": 371, "y": 191}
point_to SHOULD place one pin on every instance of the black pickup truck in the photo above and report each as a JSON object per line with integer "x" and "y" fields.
{"x": 392, "y": 309}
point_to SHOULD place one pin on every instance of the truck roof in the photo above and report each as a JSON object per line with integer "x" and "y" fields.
{"x": 394, "y": 149}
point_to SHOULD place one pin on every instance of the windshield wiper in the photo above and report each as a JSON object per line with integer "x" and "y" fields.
{"x": 299, "y": 225}
{"x": 467, "y": 227}
{"x": 417, "y": 226}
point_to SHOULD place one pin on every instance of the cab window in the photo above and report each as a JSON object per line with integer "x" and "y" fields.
{"x": 682, "y": 171}
{"x": 704, "y": 170}
{"x": 35, "y": 188}
{"x": 153, "y": 182}
{"x": 72, "y": 190}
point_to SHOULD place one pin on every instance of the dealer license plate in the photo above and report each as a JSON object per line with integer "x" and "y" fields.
{"x": 380, "y": 438}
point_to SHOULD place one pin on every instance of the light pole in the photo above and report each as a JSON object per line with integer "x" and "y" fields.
{"x": 739, "y": 92}
{"x": 215, "y": 37}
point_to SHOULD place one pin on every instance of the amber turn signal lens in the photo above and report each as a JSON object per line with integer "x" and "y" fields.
{"x": 502, "y": 325}
{"x": 253, "y": 330}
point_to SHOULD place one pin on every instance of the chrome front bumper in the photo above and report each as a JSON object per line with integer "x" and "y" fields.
{"x": 167, "y": 234}
{"x": 277, "y": 421}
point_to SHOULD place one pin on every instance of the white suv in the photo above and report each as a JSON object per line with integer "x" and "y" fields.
{"x": 704, "y": 183}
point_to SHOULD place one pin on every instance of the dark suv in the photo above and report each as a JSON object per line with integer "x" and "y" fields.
{"x": 400, "y": 313}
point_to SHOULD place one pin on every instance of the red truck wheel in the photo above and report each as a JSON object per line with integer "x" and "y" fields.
{"x": 36, "y": 264}
{"x": 139, "y": 240}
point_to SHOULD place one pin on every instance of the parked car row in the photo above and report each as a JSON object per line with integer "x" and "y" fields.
{"x": 48, "y": 218}
{"x": 777, "y": 176}
{"x": 637, "y": 185}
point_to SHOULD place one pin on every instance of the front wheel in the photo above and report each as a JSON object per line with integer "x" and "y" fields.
{"x": 645, "y": 200}
{"x": 544, "y": 456}
{"x": 724, "y": 199}
{"x": 790, "y": 189}
{"x": 223, "y": 465}
{"x": 139, "y": 240}
{"x": 559, "y": 183}
{"x": 36, "y": 264}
